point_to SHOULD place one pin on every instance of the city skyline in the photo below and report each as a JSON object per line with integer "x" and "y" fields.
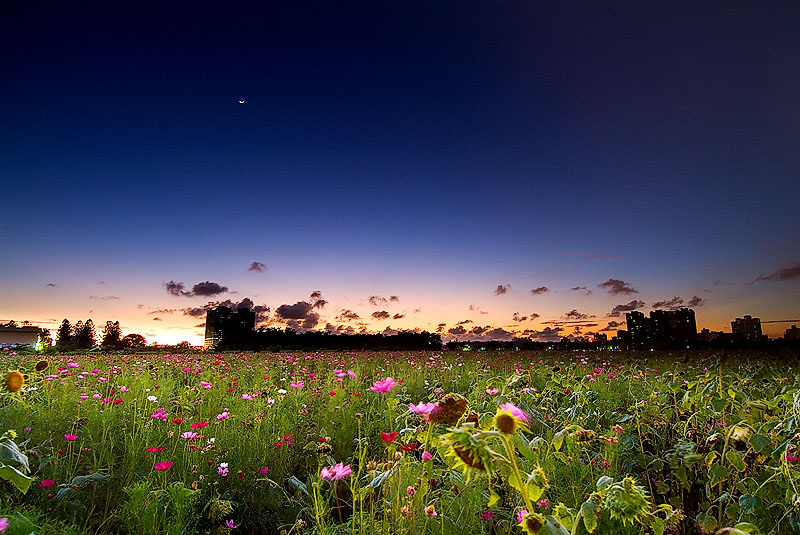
{"x": 509, "y": 167}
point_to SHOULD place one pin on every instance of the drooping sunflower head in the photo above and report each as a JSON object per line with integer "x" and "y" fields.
{"x": 509, "y": 418}
{"x": 41, "y": 365}
{"x": 627, "y": 501}
{"x": 471, "y": 453}
{"x": 14, "y": 381}
{"x": 531, "y": 523}
{"x": 448, "y": 410}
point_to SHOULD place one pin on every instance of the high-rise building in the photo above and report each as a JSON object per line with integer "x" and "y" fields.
{"x": 662, "y": 328}
{"x": 792, "y": 333}
{"x": 222, "y": 323}
{"x": 747, "y": 329}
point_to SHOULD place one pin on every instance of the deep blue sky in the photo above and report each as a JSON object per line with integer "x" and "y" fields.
{"x": 432, "y": 150}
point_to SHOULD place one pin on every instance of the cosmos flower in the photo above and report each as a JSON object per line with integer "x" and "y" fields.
{"x": 509, "y": 418}
{"x": 164, "y": 466}
{"x": 383, "y": 386}
{"x": 46, "y": 483}
{"x": 70, "y": 437}
{"x": 422, "y": 407}
{"x": 336, "y": 472}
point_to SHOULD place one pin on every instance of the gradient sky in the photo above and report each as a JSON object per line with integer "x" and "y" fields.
{"x": 431, "y": 151}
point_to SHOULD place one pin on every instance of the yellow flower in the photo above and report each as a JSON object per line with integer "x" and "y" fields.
{"x": 14, "y": 381}
{"x": 509, "y": 418}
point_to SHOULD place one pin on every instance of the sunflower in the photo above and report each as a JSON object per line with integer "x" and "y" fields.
{"x": 14, "y": 381}
{"x": 41, "y": 365}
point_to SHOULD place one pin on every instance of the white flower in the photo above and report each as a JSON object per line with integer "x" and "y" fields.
{"x": 152, "y": 398}
{"x": 281, "y": 391}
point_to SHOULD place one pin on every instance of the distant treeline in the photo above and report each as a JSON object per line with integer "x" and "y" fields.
{"x": 290, "y": 339}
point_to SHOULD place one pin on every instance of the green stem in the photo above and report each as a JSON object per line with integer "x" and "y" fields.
{"x": 523, "y": 485}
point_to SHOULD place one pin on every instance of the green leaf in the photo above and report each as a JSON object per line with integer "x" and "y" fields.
{"x": 534, "y": 492}
{"x": 298, "y": 485}
{"x": 493, "y": 498}
{"x": 9, "y": 453}
{"x": 735, "y": 459}
{"x": 91, "y": 478}
{"x": 749, "y": 503}
{"x": 747, "y": 527}
{"x": 706, "y": 521}
{"x": 552, "y": 527}
{"x": 558, "y": 440}
{"x": 589, "y": 514}
{"x": 681, "y": 475}
{"x": 719, "y": 404}
{"x": 759, "y": 442}
{"x": 718, "y": 474}
{"x": 658, "y": 526}
{"x": 603, "y": 483}
{"x": 16, "y": 478}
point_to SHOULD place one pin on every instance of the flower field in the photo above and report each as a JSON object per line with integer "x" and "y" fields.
{"x": 400, "y": 443}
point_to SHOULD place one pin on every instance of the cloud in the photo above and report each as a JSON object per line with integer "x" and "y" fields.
{"x": 619, "y": 309}
{"x": 347, "y": 315}
{"x": 440, "y": 327}
{"x": 157, "y": 319}
{"x": 518, "y": 318}
{"x": 51, "y": 285}
{"x": 394, "y": 298}
{"x": 398, "y": 316}
{"x": 163, "y": 311}
{"x": 782, "y": 274}
{"x": 377, "y": 300}
{"x": 388, "y": 331}
{"x": 316, "y": 299}
{"x": 575, "y": 315}
{"x": 261, "y": 311}
{"x": 340, "y": 329}
{"x": 502, "y": 289}
{"x": 584, "y": 289}
{"x": 499, "y": 333}
{"x": 617, "y": 287}
{"x": 104, "y": 297}
{"x": 540, "y": 290}
{"x": 548, "y": 334}
{"x": 208, "y": 289}
{"x": 670, "y": 304}
{"x": 380, "y": 315}
{"x": 257, "y": 266}
{"x": 204, "y": 289}
{"x": 476, "y": 308}
{"x": 457, "y": 331}
{"x": 297, "y": 311}
{"x": 417, "y": 310}
{"x": 464, "y": 322}
{"x": 696, "y": 301}
{"x": 613, "y": 326}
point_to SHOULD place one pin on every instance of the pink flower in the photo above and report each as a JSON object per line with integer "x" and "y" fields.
{"x": 263, "y": 470}
{"x": 515, "y": 411}
{"x": 422, "y": 408}
{"x": 791, "y": 458}
{"x": 486, "y": 515}
{"x": 543, "y": 504}
{"x": 223, "y": 415}
{"x": 198, "y": 425}
{"x": 164, "y": 466}
{"x": 492, "y": 391}
{"x": 426, "y": 456}
{"x": 70, "y": 437}
{"x": 383, "y": 386}
{"x": 155, "y": 450}
{"x": 231, "y": 525}
{"x": 4, "y": 520}
{"x": 189, "y": 435}
{"x": 521, "y": 515}
{"x": 298, "y": 384}
{"x": 389, "y": 437}
{"x": 335, "y": 472}
{"x": 46, "y": 483}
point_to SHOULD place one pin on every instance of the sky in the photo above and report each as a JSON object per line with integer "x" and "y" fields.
{"x": 480, "y": 169}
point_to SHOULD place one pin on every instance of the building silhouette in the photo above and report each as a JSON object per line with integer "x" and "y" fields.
{"x": 222, "y": 323}
{"x": 747, "y": 329}
{"x": 792, "y": 333}
{"x": 662, "y": 328}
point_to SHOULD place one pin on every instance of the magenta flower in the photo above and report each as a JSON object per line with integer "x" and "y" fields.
{"x": 426, "y": 456}
{"x": 3, "y": 524}
{"x": 46, "y": 483}
{"x": 164, "y": 466}
{"x": 231, "y": 525}
{"x": 70, "y": 437}
{"x": 336, "y": 472}
{"x": 263, "y": 470}
{"x": 189, "y": 435}
{"x": 422, "y": 407}
{"x": 514, "y": 411}
{"x": 383, "y": 386}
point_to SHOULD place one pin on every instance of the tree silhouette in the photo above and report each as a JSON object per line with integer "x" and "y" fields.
{"x": 87, "y": 337}
{"x": 112, "y": 335}
{"x": 64, "y": 335}
{"x": 133, "y": 341}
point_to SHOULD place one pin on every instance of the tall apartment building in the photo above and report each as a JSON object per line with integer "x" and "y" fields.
{"x": 222, "y": 323}
{"x": 747, "y": 329}
{"x": 662, "y": 328}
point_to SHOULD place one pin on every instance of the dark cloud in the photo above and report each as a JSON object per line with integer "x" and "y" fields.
{"x": 388, "y": 331}
{"x": 261, "y": 311}
{"x": 669, "y": 304}
{"x": 208, "y": 289}
{"x": 540, "y": 290}
{"x": 394, "y": 298}
{"x": 617, "y": 287}
{"x": 104, "y": 297}
{"x": 782, "y": 274}
{"x": 157, "y": 319}
{"x": 613, "y": 326}
{"x": 440, "y": 327}
{"x": 417, "y": 310}
{"x": 316, "y": 299}
{"x": 516, "y": 317}
{"x": 575, "y": 315}
{"x": 457, "y": 331}
{"x": 398, "y": 316}
{"x": 297, "y": 311}
{"x": 377, "y": 300}
{"x": 340, "y": 329}
{"x": 478, "y": 330}
{"x": 584, "y": 289}
{"x": 696, "y": 301}
{"x": 204, "y": 289}
{"x": 380, "y": 315}
{"x": 200, "y": 326}
{"x": 499, "y": 333}
{"x": 464, "y": 322}
{"x": 502, "y": 289}
{"x": 51, "y": 285}
{"x": 547, "y": 334}
{"x": 257, "y": 266}
{"x": 163, "y": 311}
{"x": 476, "y": 308}
{"x": 619, "y": 309}
{"x": 347, "y": 315}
